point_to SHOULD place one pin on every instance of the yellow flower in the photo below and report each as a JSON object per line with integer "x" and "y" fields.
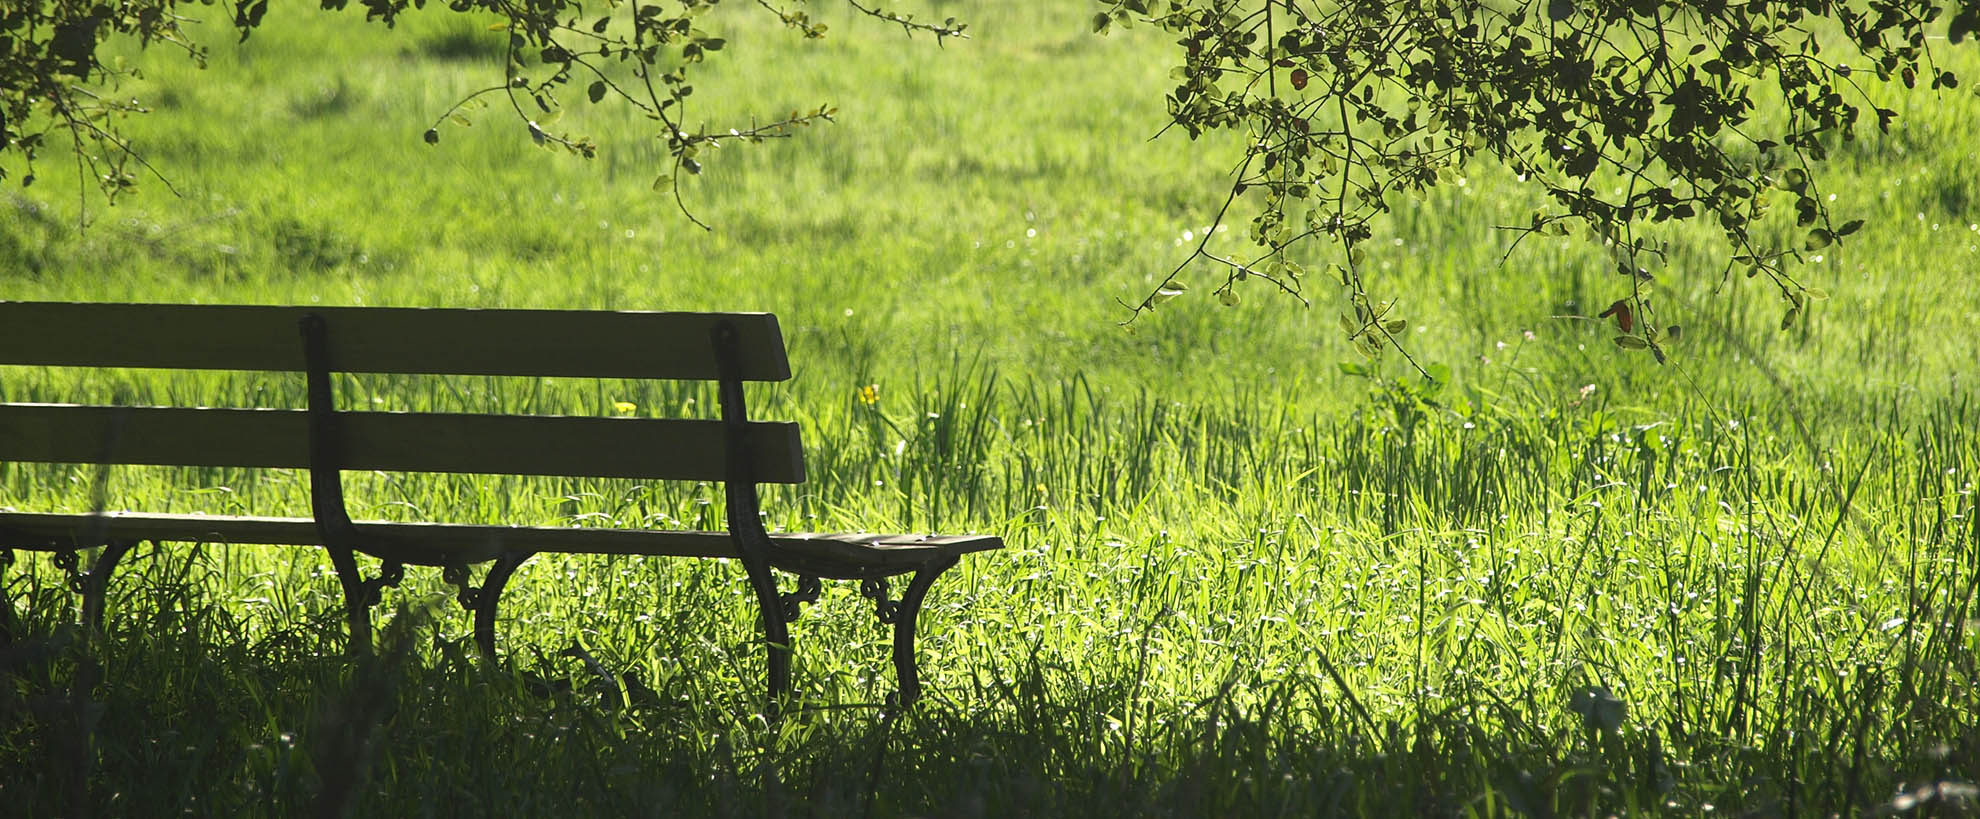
{"x": 624, "y": 407}
{"x": 869, "y": 394}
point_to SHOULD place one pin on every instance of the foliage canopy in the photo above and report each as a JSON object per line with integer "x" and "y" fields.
{"x": 1625, "y": 113}
{"x": 640, "y": 54}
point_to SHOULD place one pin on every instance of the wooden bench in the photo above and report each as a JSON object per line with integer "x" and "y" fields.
{"x": 318, "y": 341}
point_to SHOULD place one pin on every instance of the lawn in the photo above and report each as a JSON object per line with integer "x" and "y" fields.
{"x": 1241, "y": 578}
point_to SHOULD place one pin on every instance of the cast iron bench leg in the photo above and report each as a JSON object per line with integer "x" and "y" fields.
{"x": 488, "y": 597}
{"x": 96, "y": 584}
{"x": 7, "y": 626}
{"x": 6, "y": 620}
{"x": 360, "y": 594}
{"x": 776, "y": 633}
{"x": 356, "y": 609}
{"x": 904, "y": 623}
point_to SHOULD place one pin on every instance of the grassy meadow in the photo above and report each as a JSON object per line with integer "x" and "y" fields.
{"x": 1239, "y": 579}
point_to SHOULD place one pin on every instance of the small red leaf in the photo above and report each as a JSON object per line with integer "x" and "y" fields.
{"x": 1624, "y": 318}
{"x": 1299, "y": 79}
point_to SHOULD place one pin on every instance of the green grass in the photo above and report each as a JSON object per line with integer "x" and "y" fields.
{"x": 1239, "y": 580}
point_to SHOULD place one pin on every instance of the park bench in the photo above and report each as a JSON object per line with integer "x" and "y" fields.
{"x": 728, "y": 348}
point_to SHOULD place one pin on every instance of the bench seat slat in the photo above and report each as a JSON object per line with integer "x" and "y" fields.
{"x": 439, "y": 341}
{"x": 441, "y": 544}
{"x": 662, "y": 448}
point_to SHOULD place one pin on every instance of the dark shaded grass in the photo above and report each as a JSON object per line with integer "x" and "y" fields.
{"x": 1548, "y": 612}
{"x": 239, "y": 732}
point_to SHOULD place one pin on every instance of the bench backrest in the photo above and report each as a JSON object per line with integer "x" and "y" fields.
{"x": 601, "y": 344}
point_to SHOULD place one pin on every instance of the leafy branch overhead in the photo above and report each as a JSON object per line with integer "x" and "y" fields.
{"x": 53, "y": 79}
{"x": 1625, "y": 113}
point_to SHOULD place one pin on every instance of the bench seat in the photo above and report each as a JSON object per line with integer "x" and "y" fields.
{"x": 855, "y": 554}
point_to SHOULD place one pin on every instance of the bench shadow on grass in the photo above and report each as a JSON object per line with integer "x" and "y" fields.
{"x": 171, "y": 710}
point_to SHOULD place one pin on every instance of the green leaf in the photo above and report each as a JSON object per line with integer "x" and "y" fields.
{"x": 1100, "y": 23}
{"x": 1849, "y": 227}
{"x": 1818, "y": 238}
{"x": 663, "y": 181}
{"x": 1964, "y": 23}
{"x": 1631, "y": 342}
{"x": 596, "y": 92}
{"x": 1599, "y": 710}
{"x": 1787, "y": 321}
{"x": 1228, "y": 296}
{"x": 432, "y": 136}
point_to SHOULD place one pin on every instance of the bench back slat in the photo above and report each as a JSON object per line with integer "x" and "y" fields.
{"x": 574, "y": 343}
{"x": 660, "y": 448}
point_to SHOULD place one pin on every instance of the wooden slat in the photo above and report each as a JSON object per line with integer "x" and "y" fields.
{"x": 872, "y": 549}
{"x": 576, "y": 343}
{"x": 419, "y": 543}
{"x": 674, "y": 449}
{"x": 444, "y": 543}
{"x": 45, "y": 530}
